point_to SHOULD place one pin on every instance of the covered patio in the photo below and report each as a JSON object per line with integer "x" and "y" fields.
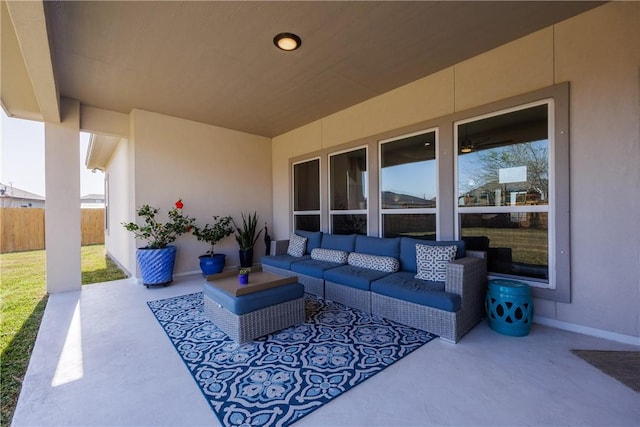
{"x": 101, "y": 359}
{"x": 192, "y": 100}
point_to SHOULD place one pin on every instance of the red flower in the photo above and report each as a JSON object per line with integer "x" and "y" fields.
{"x": 179, "y": 204}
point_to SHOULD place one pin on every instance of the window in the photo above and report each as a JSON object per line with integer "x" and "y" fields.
{"x": 504, "y": 190}
{"x": 408, "y": 186}
{"x": 306, "y": 195}
{"x": 348, "y": 192}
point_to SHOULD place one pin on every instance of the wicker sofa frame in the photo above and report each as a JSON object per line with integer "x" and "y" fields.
{"x": 466, "y": 277}
{"x": 257, "y": 323}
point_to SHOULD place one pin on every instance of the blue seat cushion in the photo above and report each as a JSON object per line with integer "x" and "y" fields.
{"x": 353, "y": 277}
{"x": 254, "y": 301}
{"x": 404, "y": 286}
{"x": 283, "y": 261}
{"x": 314, "y": 238}
{"x": 378, "y": 246}
{"x": 408, "y": 251}
{"x": 313, "y": 267}
{"x": 341, "y": 242}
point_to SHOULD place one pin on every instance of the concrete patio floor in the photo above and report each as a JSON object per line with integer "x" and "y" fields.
{"x": 101, "y": 359}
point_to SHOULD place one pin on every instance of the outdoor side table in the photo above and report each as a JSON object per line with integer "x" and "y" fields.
{"x": 509, "y": 307}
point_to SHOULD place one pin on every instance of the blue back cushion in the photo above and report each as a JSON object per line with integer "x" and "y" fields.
{"x": 408, "y": 251}
{"x": 338, "y": 241}
{"x": 314, "y": 239}
{"x": 378, "y": 246}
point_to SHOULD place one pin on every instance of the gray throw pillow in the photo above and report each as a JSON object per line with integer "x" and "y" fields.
{"x": 297, "y": 246}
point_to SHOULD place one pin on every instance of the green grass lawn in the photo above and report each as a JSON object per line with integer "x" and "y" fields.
{"x": 23, "y": 299}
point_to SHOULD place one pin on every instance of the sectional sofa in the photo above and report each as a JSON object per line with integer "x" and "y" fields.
{"x": 437, "y": 286}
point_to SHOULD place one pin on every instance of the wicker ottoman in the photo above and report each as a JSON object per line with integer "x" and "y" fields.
{"x": 267, "y": 304}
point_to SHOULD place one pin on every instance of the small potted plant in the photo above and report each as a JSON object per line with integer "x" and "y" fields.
{"x": 210, "y": 262}
{"x": 243, "y": 276}
{"x": 156, "y": 260}
{"x": 247, "y": 235}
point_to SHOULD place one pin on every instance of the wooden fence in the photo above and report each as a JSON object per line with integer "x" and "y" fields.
{"x": 22, "y": 229}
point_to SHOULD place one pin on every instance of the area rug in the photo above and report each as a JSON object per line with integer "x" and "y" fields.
{"x": 624, "y": 366}
{"x": 278, "y": 379}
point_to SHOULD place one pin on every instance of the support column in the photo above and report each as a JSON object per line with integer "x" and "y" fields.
{"x": 62, "y": 210}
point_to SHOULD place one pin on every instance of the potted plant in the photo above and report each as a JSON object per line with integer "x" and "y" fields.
{"x": 156, "y": 260}
{"x": 243, "y": 276}
{"x": 247, "y": 235}
{"x": 210, "y": 262}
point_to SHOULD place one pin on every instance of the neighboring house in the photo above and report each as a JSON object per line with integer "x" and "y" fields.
{"x": 12, "y": 197}
{"x": 581, "y": 69}
{"x": 92, "y": 201}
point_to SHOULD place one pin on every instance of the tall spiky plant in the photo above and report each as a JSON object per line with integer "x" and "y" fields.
{"x": 248, "y": 234}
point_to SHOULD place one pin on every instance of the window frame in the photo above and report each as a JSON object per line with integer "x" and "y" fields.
{"x": 447, "y": 218}
{"x": 318, "y": 212}
{"x": 409, "y": 211}
{"x": 559, "y": 242}
{"x": 332, "y": 212}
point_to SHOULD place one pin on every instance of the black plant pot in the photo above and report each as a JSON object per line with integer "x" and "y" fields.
{"x": 246, "y": 258}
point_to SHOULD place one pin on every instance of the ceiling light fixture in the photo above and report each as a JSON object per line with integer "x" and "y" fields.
{"x": 466, "y": 149}
{"x": 287, "y": 41}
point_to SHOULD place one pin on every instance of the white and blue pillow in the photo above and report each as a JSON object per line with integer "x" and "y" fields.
{"x": 329, "y": 255}
{"x": 297, "y": 246}
{"x": 374, "y": 262}
{"x": 432, "y": 261}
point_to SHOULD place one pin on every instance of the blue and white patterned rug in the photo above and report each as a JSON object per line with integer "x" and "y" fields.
{"x": 280, "y": 378}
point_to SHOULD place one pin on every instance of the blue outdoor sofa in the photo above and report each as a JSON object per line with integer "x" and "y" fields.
{"x": 378, "y": 275}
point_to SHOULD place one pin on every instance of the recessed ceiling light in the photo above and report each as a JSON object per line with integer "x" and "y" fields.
{"x": 287, "y": 41}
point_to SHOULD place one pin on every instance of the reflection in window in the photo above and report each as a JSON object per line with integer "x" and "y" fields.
{"x": 419, "y": 226}
{"x": 349, "y": 224}
{"x": 516, "y": 243}
{"x": 348, "y": 192}
{"x": 504, "y": 160}
{"x": 503, "y": 189}
{"x": 306, "y": 195}
{"x": 408, "y": 185}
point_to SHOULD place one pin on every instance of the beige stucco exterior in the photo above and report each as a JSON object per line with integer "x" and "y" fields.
{"x": 62, "y": 213}
{"x": 599, "y": 54}
{"x": 215, "y": 171}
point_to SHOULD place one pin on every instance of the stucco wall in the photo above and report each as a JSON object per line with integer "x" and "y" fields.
{"x": 215, "y": 171}
{"x": 117, "y": 239}
{"x": 599, "y": 54}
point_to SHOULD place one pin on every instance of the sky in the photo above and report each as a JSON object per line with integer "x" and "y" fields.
{"x": 22, "y": 158}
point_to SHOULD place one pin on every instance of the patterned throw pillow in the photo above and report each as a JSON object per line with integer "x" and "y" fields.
{"x": 297, "y": 245}
{"x": 374, "y": 262}
{"x": 329, "y": 255}
{"x": 432, "y": 261}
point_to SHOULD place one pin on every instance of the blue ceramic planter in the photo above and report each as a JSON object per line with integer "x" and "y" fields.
{"x": 156, "y": 265}
{"x": 212, "y": 264}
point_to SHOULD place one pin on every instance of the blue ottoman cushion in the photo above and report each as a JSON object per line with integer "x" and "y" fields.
{"x": 254, "y": 301}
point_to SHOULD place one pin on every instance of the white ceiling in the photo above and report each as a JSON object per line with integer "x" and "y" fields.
{"x": 215, "y": 62}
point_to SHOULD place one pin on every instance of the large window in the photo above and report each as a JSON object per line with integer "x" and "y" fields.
{"x": 408, "y": 186}
{"x": 504, "y": 191}
{"x": 348, "y": 192}
{"x": 306, "y": 195}
{"x": 495, "y": 176}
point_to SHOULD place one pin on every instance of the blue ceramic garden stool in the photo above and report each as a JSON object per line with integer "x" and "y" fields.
{"x": 509, "y": 307}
